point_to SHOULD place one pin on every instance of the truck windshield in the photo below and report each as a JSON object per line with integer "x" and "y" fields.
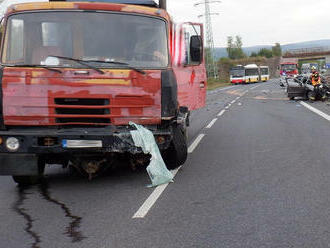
{"x": 289, "y": 67}
{"x": 139, "y": 41}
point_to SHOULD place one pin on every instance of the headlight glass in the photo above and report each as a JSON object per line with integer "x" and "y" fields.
{"x": 12, "y": 144}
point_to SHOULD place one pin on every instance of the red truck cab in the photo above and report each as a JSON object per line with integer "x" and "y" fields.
{"x": 289, "y": 69}
{"x": 75, "y": 74}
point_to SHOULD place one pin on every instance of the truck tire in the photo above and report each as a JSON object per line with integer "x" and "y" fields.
{"x": 176, "y": 155}
{"x": 31, "y": 180}
{"x": 26, "y": 180}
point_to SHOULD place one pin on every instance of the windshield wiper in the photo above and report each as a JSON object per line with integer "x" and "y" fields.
{"x": 79, "y": 61}
{"x": 36, "y": 66}
{"x": 118, "y": 63}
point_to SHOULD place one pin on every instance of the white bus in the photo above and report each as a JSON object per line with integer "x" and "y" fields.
{"x": 264, "y": 73}
{"x": 252, "y": 73}
{"x": 237, "y": 74}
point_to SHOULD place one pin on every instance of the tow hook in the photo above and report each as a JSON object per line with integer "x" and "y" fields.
{"x": 92, "y": 167}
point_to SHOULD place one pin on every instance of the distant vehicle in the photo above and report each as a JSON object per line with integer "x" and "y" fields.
{"x": 306, "y": 69}
{"x": 237, "y": 74}
{"x": 289, "y": 69}
{"x": 252, "y": 73}
{"x": 301, "y": 86}
{"x": 264, "y": 73}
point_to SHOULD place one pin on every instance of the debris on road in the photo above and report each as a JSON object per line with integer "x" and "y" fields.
{"x": 157, "y": 170}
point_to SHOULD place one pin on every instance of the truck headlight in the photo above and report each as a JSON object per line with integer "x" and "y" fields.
{"x": 12, "y": 144}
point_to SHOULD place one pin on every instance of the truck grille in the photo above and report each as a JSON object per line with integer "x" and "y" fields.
{"x": 82, "y": 111}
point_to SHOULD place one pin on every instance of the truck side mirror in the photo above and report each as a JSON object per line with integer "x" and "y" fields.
{"x": 196, "y": 49}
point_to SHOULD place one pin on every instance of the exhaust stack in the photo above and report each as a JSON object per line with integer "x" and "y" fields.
{"x": 163, "y": 4}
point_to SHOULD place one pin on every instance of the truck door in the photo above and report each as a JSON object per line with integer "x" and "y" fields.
{"x": 189, "y": 65}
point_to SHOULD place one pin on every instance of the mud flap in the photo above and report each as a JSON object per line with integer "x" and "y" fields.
{"x": 18, "y": 165}
{"x": 157, "y": 170}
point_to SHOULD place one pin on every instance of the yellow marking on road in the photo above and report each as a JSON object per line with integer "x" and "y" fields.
{"x": 270, "y": 98}
{"x": 235, "y": 92}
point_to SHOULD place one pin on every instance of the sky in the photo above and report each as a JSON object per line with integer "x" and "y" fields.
{"x": 260, "y": 22}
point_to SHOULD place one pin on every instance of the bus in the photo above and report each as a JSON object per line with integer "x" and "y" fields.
{"x": 252, "y": 73}
{"x": 264, "y": 73}
{"x": 237, "y": 74}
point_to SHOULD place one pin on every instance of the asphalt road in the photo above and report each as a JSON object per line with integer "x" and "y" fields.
{"x": 258, "y": 175}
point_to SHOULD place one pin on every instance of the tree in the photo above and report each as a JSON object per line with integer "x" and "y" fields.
{"x": 234, "y": 49}
{"x": 277, "y": 50}
{"x": 230, "y": 46}
{"x": 254, "y": 54}
{"x": 264, "y": 52}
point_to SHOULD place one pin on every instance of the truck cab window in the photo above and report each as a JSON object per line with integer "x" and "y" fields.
{"x": 16, "y": 46}
{"x": 189, "y": 32}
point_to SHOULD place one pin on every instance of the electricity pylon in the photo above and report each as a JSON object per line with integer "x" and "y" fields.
{"x": 210, "y": 58}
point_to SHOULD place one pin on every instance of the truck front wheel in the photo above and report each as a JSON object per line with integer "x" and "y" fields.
{"x": 176, "y": 155}
{"x": 26, "y": 180}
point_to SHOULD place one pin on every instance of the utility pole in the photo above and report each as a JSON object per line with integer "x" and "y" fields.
{"x": 210, "y": 58}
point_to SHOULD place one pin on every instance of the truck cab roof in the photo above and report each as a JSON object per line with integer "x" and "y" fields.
{"x": 104, "y": 5}
{"x": 149, "y": 3}
{"x": 4, "y": 6}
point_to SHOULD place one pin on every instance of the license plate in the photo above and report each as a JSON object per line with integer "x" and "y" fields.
{"x": 82, "y": 143}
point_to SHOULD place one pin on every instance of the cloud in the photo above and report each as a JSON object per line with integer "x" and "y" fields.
{"x": 260, "y": 22}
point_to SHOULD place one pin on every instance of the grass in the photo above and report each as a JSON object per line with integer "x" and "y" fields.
{"x": 213, "y": 83}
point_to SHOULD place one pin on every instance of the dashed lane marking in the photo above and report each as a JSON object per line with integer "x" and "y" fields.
{"x": 150, "y": 202}
{"x": 315, "y": 110}
{"x": 255, "y": 87}
{"x": 211, "y": 123}
{"x": 193, "y": 146}
{"x": 158, "y": 191}
{"x": 221, "y": 112}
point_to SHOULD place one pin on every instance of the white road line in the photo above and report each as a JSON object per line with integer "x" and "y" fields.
{"x": 237, "y": 98}
{"x": 232, "y": 102}
{"x": 211, "y": 123}
{"x": 148, "y": 204}
{"x": 227, "y": 88}
{"x": 152, "y": 199}
{"x": 221, "y": 112}
{"x": 315, "y": 110}
{"x": 255, "y": 87}
{"x": 193, "y": 146}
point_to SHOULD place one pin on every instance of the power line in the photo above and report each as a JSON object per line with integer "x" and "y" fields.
{"x": 210, "y": 58}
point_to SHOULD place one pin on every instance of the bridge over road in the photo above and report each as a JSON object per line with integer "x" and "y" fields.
{"x": 305, "y": 54}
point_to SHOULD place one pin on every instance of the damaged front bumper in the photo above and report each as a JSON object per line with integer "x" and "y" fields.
{"x": 50, "y": 141}
{"x": 66, "y": 143}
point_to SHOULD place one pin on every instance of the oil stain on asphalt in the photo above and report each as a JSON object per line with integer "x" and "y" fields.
{"x": 20, "y": 210}
{"x": 71, "y": 231}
